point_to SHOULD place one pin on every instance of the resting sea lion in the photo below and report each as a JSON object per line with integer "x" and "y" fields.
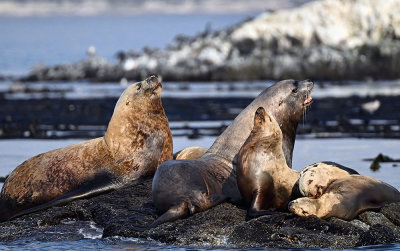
{"x": 263, "y": 177}
{"x": 137, "y": 140}
{"x": 346, "y": 197}
{"x": 315, "y": 178}
{"x": 184, "y": 187}
{"x": 193, "y": 152}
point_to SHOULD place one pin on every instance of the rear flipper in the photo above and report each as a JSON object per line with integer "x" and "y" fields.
{"x": 184, "y": 210}
{"x": 100, "y": 183}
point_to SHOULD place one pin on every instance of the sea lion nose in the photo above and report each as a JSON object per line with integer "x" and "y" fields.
{"x": 309, "y": 83}
{"x": 154, "y": 78}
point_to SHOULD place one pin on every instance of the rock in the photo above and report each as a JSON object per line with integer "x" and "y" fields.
{"x": 119, "y": 213}
{"x": 392, "y": 212}
{"x": 377, "y": 234}
{"x": 375, "y": 165}
{"x": 331, "y": 40}
{"x": 373, "y": 218}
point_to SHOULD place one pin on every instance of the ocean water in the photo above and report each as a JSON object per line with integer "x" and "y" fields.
{"x": 28, "y": 41}
{"x": 350, "y": 152}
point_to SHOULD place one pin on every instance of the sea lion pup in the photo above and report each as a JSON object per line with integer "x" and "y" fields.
{"x": 137, "y": 140}
{"x": 347, "y": 197}
{"x": 193, "y": 152}
{"x": 184, "y": 187}
{"x": 263, "y": 177}
{"x": 315, "y": 178}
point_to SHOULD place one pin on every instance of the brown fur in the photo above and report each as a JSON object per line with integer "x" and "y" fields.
{"x": 347, "y": 197}
{"x": 264, "y": 179}
{"x": 137, "y": 140}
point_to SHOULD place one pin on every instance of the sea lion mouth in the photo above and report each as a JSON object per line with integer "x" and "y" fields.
{"x": 157, "y": 88}
{"x": 309, "y": 100}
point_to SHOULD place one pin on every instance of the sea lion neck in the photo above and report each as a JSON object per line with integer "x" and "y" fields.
{"x": 289, "y": 128}
{"x": 228, "y": 144}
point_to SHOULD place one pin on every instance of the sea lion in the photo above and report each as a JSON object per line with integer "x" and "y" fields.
{"x": 263, "y": 177}
{"x": 137, "y": 140}
{"x": 184, "y": 187}
{"x": 347, "y": 197}
{"x": 193, "y": 152}
{"x": 315, "y": 178}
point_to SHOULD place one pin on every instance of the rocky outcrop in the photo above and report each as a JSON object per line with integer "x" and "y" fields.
{"x": 118, "y": 213}
{"x": 331, "y": 39}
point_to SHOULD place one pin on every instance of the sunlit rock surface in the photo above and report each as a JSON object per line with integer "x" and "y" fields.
{"x": 331, "y": 39}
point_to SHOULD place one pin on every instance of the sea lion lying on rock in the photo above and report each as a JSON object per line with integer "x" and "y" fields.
{"x": 315, "y": 178}
{"x": 347, "y": 197}
{"x": 263, "y": 177}
{"x": 137, "y": 140}
{"x": 183, "y": 187}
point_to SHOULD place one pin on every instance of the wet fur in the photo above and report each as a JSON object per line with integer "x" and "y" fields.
{"x": 184, "y": 187}
{"x": 137, "y": 140}
{"x": 347, "y": 197}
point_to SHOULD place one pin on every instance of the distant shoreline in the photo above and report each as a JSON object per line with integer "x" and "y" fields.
{"x": 12, "y": 8}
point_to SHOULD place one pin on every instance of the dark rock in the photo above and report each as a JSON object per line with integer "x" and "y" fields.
{"x": 120, "y": 213}
{"x": 392, "y": 212}
{"x": 373, "y": 218}
{"x": 377, "y": 234}
{"x": 375, "y": 165}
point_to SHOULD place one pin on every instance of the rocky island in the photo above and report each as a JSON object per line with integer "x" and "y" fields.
{"x": 330, "y": 40}
{"x": 223, "y": 226}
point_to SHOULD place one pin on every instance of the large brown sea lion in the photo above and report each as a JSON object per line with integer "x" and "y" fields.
{"x": 263, "y": 177}
{"x": 184, "y": 187}
{"x": 137, "y": 140}
{"x": 346, "y": 197}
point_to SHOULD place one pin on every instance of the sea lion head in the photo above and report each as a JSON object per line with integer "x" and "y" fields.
{"x": 265, "y": 125}
{"x": 139, "y": 94}
{"x": 287, "y": 102}
{"x": 291, "y": 99}
{"x": 137, "y": 114}
{"x": 312, "y": 181}
{"x": 303, "y": 206}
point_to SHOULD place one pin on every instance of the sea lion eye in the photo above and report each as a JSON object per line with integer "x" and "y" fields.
{"x": 295, "y": 90}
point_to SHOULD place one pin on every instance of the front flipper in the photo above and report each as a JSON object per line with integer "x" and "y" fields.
{"x": 261, "y": 202}
{"x": 99, "y": 183}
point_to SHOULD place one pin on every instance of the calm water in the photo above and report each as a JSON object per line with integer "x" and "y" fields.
{"x": 25, "y": 42}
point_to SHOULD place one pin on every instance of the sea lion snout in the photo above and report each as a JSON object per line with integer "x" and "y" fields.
{"x": 306, "y": 87}
{"x": 309, "y": 84}
{"x": 152, "y": 85}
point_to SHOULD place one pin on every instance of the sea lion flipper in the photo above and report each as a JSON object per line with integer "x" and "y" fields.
{"x": 99, "y": 183}
{"x": 174, "y": 213}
